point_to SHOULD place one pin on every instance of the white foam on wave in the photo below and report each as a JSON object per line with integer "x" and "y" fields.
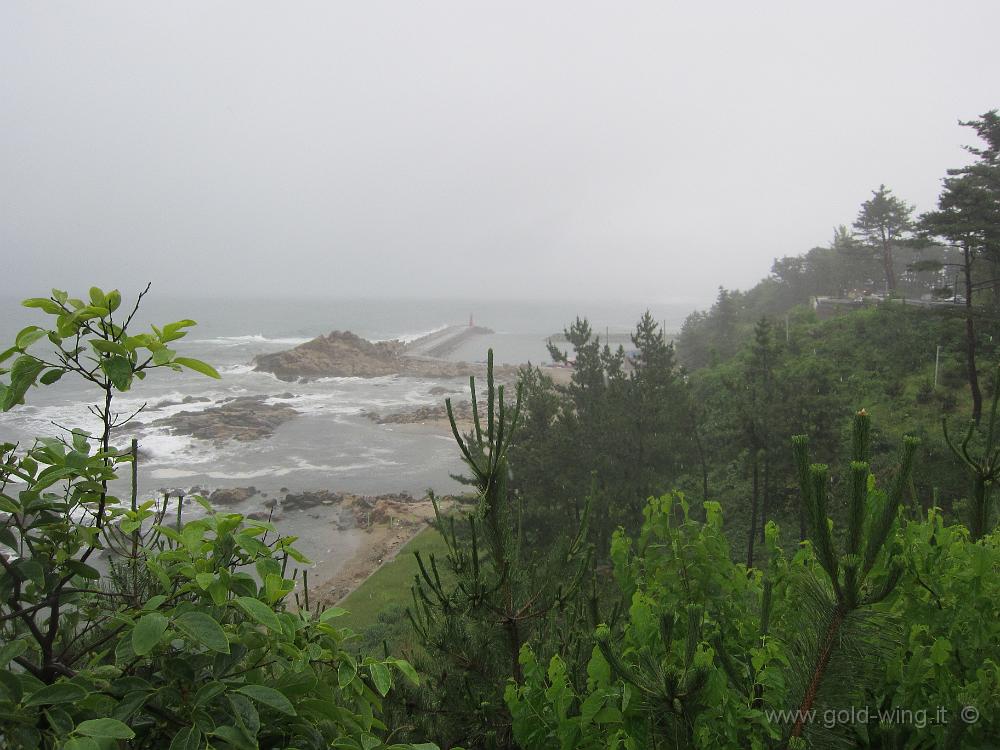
{"x": 357, "y": 379}
{"x": 244, "y": 369}
{"x": 320, "y": 403}
{"x": 172, "y": 473}
{"x": 254, "y": 338}
{"x": 298, "y": 465}
{"x": 174, "y": 404}
{"x": 41, "y": 420}
{"x": 160, "y": 447}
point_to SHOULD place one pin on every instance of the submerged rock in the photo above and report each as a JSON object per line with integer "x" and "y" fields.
{"x": 232, "y": 495}
{"x": 305, "y": 500}
{"x": 462, "y": 411}
{"x": 244, "y": 418}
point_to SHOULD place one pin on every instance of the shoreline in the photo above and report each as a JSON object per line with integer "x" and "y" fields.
{"x": 379, "y": 545}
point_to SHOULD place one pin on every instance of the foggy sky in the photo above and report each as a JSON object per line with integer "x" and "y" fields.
{"x": 450, "y": 149}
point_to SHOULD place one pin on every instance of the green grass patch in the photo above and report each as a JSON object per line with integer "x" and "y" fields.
{"x": 391, "y": 583}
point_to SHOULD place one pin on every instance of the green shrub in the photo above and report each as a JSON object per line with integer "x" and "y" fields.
{"x": 893, "y": 642}
{"x": 188, "y": 640}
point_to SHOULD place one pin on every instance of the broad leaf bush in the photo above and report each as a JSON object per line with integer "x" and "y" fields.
{"x": 118, "y": 625}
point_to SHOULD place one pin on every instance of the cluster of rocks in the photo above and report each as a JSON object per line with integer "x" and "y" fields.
{"x": 430, "y": 413}
{"x": 351, "y": 510}
{"x": 243, "y": 418}
{"x": 231, "y": 495}
{"x": 345, "y": 354}
{"x": 310, "y": 499}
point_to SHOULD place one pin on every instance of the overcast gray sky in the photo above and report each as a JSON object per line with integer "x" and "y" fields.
{"x": 523, "y": 149}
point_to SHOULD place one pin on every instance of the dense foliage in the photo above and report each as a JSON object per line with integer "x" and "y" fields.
{"x": 709, "y": 657}
{"x": 117, "y": 624}
{"x": 586, "y": 600}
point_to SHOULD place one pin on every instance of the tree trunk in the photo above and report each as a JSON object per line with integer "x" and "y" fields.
{"x": 890, "y": 271}
{"x": 995, "y": 280}
{"x": 980, "y": 510}
{"x": 764, "y": 504}
{"x": 701, "y": 457}
{"x": 753, "y": 510}
{"x": 970, "y": 339}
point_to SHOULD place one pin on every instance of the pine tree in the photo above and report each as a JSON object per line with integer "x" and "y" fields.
{"x": 655, "y": 402}
{"x": 968, "y": 218}
{"x": 984, "y": 467}
{"x": 760, "y": 377}
{"x": 842, "y": 633}
{"x": 883, "y": 223}
{"x": 476, "y": 609}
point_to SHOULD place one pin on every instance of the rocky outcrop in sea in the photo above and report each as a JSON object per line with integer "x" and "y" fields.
{"x": 243, "y": 418}
{"x": 345, "y": 354}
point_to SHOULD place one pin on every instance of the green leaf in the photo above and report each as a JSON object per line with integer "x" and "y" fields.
{"x": 60, "y": 692}
{"x": 260, "y": 612}
{"x": 246, "y": 714}
{"x": 198, "y": 366}
{"x": 332, "y": 612}
{"x": 381, "y": 677}
{"x": 188, "y": 738}
{"x": 132, "y": 702}
{"x": 113, "y": 300}
{"x": 109, "y": 347}
{"x": 81, "y": 743}
{"x": 408, "y": 671}
{"x": 346, "y": 672}
{"x": 29, "y": 336}
{"x": 234, "y": 737}
{"x": 163, "y": 356}
{"x": 111, "y": 728}
{"x": 209, "y": 692}
{"x": 940, "y": 651}
{"x": 59, "y": 720}
{"x": 171, "y": 329}
{"x": 148, "y": 632}
{"x": 97, "y": 298}
{"x": 22, "y": 376}
{"x": 51, "y": 376}
{"x": 44, "y": 304}
{"x": 119, "y": 371}
{"x": 83, "y": 570}
{"x": 11, "y": 651}
{"x": 608, "y": 715}
{"x": 269, "y": 697}
{"x": 200, "y": 627}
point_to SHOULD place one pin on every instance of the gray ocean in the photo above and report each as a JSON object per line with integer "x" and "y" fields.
{"x": 330, "y": 444}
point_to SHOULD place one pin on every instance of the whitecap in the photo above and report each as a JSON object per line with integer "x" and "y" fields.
{"x": 172, "y": 474}
{"x": 254, "y": 338}
{"x": 159, "y": 447}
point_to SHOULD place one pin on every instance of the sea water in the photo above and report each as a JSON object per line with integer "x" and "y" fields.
{"x": 331, "y": 444}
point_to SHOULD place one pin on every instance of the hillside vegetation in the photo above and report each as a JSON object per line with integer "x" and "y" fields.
{"x": 780, "y": 534}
